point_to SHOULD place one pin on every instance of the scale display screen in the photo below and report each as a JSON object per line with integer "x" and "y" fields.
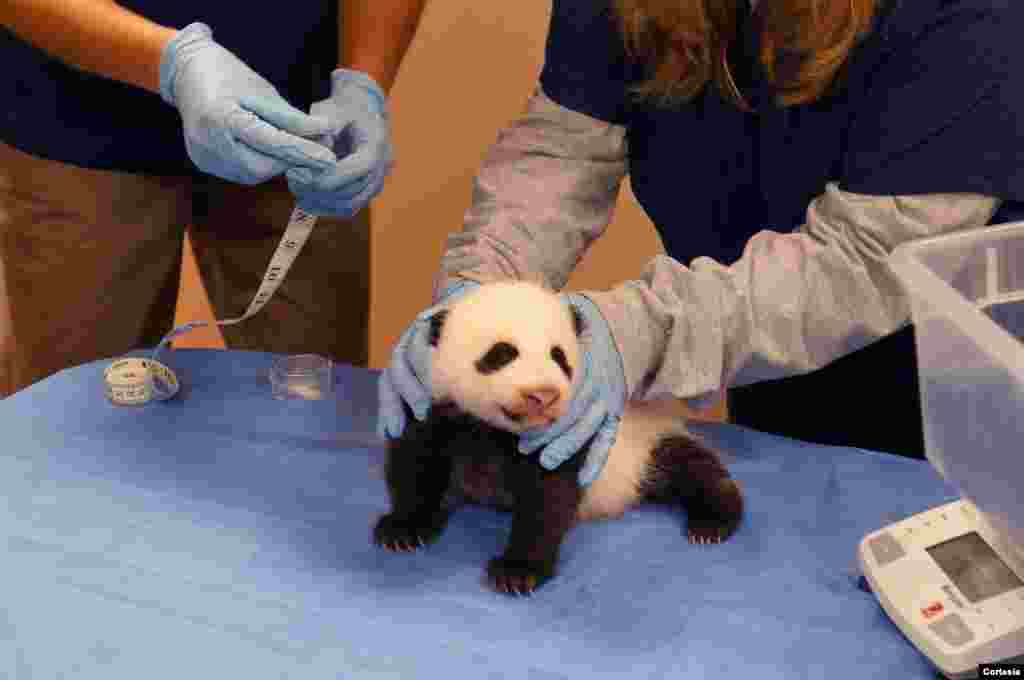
{"x": 974, "y": 567}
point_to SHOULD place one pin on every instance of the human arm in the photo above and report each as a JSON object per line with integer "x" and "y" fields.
{"x": 236, "y": 125}
{"x": 548, "y": 185}
{"x": 792, "y": 303}
{"x": 95, "y": 36}
{"x": 546, "y": 190}
{"x": 375, "y": 36}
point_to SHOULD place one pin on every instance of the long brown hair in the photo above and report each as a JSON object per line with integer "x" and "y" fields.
{"x": 804, "y": 44}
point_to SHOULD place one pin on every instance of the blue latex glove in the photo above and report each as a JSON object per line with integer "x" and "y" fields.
{"x": 597, "y": 405}
{"x": 407, "y": 379}
{"x": 357, "y": 111}
{"x": 237, "y": 126}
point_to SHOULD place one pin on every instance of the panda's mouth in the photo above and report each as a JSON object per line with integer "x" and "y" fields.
{"x": 527, "y": 421}
{"x": 514, "y": 417}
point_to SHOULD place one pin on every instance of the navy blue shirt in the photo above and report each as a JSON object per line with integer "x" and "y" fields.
{"x": 58, "y": 112}
{"x": 930, "y": 102}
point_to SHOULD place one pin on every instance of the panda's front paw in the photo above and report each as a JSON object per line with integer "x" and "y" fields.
{"x": 517, "y": 577}
{"x": 705, "y": 531}
{"x": 716, "y": 517}
{"x": 406, "y": 534}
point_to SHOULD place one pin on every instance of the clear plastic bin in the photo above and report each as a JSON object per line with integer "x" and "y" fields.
{"x": 967, "y": 305}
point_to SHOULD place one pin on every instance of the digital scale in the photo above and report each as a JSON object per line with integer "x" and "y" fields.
{"x": 953, "y": 586}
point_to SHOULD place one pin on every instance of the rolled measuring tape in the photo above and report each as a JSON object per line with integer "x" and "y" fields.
{"x": 135, "y": 381}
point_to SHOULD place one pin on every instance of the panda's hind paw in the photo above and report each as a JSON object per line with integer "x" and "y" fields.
{"x": 715, "y": 518}
{"x": 403, "y": 534}
{"x": 516, "y": 577}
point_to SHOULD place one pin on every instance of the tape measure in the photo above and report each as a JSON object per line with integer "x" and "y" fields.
{"x": 135, "y": 381}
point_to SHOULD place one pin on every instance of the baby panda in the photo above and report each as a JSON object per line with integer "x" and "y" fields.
{"x": 503, "y": 361}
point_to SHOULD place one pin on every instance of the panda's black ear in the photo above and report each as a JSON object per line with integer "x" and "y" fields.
{"x": 578, "y": 324}
{"x": 436, "y": 324}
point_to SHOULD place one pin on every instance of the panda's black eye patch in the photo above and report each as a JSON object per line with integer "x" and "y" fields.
{"x": 436, "y": 323}
{"x": 498, "y": 357}
{"x": 558, "y": 355}
{"x": 578, "y": 323}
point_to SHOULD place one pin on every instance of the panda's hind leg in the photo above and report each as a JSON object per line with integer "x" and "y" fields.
{"x": 685, "y": 471}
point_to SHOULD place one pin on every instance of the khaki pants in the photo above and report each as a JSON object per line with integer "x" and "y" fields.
{"x": 92, "y": 261}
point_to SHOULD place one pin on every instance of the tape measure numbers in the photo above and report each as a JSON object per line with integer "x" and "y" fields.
{"x": 135, "y": 381}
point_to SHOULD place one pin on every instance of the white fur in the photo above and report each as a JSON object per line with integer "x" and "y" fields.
{"x": 534, "y": 319}
{"x": 616, "y": 490}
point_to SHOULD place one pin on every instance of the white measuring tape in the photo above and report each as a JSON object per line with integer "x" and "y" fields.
{"x": 134, "y": 381}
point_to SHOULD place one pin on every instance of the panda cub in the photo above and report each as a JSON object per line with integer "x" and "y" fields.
{"x": 503, "y": 360}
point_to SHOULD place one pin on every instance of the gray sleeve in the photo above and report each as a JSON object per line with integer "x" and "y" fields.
{"x": 791, "y": 304}
{"x": 545, "y": 191}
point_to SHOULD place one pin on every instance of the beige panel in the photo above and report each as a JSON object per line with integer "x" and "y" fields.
{"x": 194, "y": 305}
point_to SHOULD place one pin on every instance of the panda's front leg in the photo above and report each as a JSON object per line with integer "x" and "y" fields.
{"x": 418, "y": 476}
{"x": 545, "y": 510}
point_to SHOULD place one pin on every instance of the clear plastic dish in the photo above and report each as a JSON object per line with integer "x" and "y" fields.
{"x": 302, "y": 376}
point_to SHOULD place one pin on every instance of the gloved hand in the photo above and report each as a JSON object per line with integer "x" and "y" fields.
{"x": 237, "y": 126}
{"x": 597, "y": 404}
{"x": 357, "y": 110}
{"x": 407, "y": 379}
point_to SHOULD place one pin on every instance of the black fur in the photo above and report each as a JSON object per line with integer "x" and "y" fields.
{"x": 686, "y": 471}
{"x": 500, "y": 355}
{"x": 453, "y": 457}
{"x": 558, "y": 356}
{"x": 436, "y": 325}
{"x": 444, "y": 459}
{"x": 578, "y": 324}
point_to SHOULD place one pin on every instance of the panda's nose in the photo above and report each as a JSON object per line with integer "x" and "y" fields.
{"x": 538, "y": 400}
